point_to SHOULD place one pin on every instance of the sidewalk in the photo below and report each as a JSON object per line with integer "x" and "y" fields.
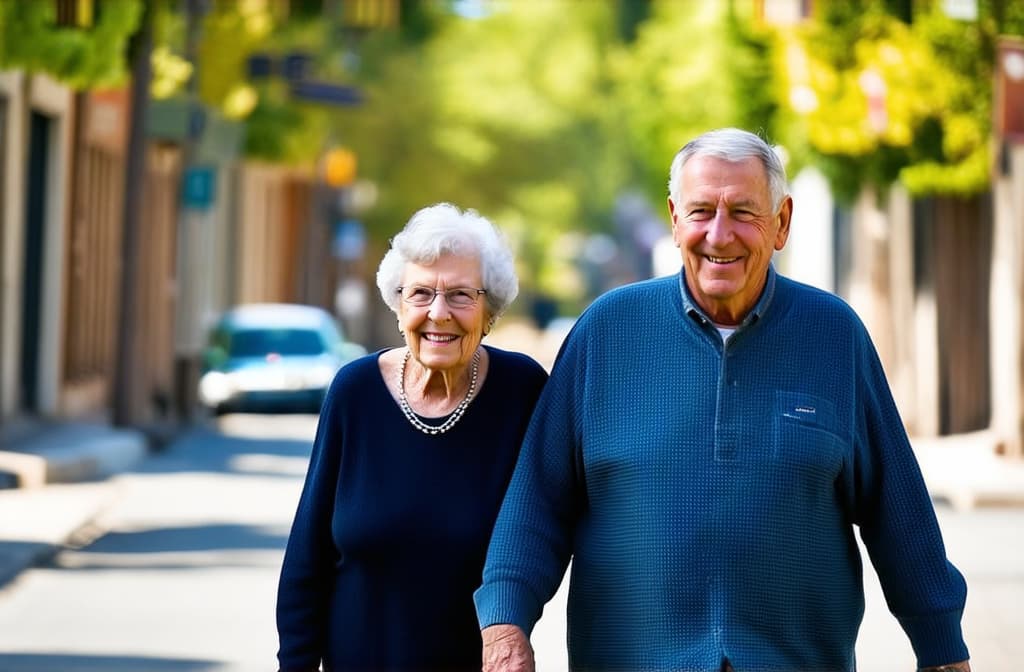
{"x": 54, "y": 482}
{"x": 34, "y": 454}
{"x": 964, "y": 471}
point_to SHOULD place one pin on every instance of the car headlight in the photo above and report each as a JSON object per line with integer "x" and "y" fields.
{"x": 215, "y": 388}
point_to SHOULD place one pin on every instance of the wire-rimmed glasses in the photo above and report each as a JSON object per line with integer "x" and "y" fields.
{"x": 456, "y": 297}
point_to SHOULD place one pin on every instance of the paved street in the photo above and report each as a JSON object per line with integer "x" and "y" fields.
{"x": 184, "y": 578}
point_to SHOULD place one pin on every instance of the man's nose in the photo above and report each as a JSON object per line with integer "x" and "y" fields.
{"x": 719, "y": 231}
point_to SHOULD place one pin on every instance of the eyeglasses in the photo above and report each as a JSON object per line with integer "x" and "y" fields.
{"x": 456, "y": 297}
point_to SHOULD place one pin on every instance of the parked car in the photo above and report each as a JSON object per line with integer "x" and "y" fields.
{"x": 273, "y": 357}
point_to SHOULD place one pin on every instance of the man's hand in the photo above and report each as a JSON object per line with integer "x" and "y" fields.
{"x": 507, "y": 649}
{"x": 962, "y": 666}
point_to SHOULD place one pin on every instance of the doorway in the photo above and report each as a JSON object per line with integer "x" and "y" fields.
{"x": 35, "y": 236}
{"x": 3, "y": 236}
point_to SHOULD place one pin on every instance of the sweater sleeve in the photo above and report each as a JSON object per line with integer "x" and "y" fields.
{"x": 310, "y": 555}
{"x": 897, "y": 522}
{"x": 532, "y": 539}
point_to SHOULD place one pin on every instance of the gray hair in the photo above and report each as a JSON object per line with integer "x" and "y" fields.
{"x": 732, "y": 144}
{"x": 445, "y": 229}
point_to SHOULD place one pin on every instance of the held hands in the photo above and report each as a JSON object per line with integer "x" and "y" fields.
{"x": 507, "y": 649}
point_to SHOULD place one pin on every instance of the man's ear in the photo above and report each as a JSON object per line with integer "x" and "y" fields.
{"x": 785, "y": 215}
{"x": 672, "y": 220}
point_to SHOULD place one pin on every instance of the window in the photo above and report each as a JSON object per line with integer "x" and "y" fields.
{"x": 260, "y": 342}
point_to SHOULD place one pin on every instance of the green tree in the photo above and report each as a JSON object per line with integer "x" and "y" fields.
{"x": 510, "y": 113}
{"x": 694, "y": 67}
{"x": 872, "y": 99}
{"x": 543, "y": 114}
{"x": 90, "y": 53}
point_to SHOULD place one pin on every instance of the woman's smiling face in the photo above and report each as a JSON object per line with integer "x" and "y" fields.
{"x": 441, "y": 336}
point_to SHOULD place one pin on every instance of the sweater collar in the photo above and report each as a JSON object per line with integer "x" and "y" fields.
{"x": 759, "y": 309}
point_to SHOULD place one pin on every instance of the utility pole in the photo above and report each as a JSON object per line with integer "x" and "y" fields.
{"x": 126, "y": 378}
{"x": 186, "y": 364}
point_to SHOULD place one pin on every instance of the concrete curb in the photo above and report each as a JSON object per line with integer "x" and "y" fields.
{"x": 73, "y": 453}
{"x": 21, "y": 470}
{"x": 88, "y": 456}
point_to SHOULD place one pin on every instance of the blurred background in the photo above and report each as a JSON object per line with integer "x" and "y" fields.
{"x": 164, "y": 161}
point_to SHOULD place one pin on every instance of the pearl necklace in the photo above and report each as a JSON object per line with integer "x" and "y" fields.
{"x": 456, "y": 414}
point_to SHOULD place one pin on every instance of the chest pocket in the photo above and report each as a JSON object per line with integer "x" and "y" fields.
{"x": 806, "y": 435}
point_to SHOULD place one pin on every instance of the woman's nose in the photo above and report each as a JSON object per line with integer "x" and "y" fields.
{"x": 439, "y": 310}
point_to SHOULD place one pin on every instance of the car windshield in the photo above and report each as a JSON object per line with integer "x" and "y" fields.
{"x": 260, "y": 342}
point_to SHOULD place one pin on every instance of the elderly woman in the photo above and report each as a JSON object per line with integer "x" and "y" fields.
{"x": 412, "y": 456}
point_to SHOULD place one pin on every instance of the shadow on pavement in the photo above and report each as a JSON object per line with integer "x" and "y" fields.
{"x": 209, "y": 537}
{"x": 210, "y": 449}
{"x": 71, "y": 662}
{"x": 163, "y": 548}
{"x": 15, "y": 554}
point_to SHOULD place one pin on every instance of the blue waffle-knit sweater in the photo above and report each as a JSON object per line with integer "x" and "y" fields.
{"x": 708, "y": 493}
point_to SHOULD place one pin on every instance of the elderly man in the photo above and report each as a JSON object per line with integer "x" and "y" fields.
{"x": 704, "y": 450}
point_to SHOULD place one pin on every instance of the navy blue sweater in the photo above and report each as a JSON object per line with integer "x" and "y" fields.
{"x": 391, "y": 530}
{"x": 707, "y": 493}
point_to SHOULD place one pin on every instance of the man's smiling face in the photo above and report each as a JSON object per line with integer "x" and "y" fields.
{"x": 727, "y": 229}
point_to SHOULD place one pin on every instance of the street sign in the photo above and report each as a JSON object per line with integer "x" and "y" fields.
{"x": 349, "y": 241}
{"x": 199, "y": 186}
{"x": 324, "y": 92}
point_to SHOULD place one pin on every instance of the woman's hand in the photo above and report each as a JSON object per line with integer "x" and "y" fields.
{"x": 507, "y": 649}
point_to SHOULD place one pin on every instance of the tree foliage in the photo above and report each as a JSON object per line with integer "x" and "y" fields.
{"x": 543, "y": 113}
{"x": 508, "y": 113}
{"x": 669, "y": 85}
{"x": 82, "y": 57}
{"x": 223, "y": 81}
{"x": 871, "y": 99}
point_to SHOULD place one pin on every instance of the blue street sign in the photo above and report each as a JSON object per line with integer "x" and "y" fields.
{"x": 198, "y": 187}
{"x": 324, "y": 92}
{"x": 349, "y": 241}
